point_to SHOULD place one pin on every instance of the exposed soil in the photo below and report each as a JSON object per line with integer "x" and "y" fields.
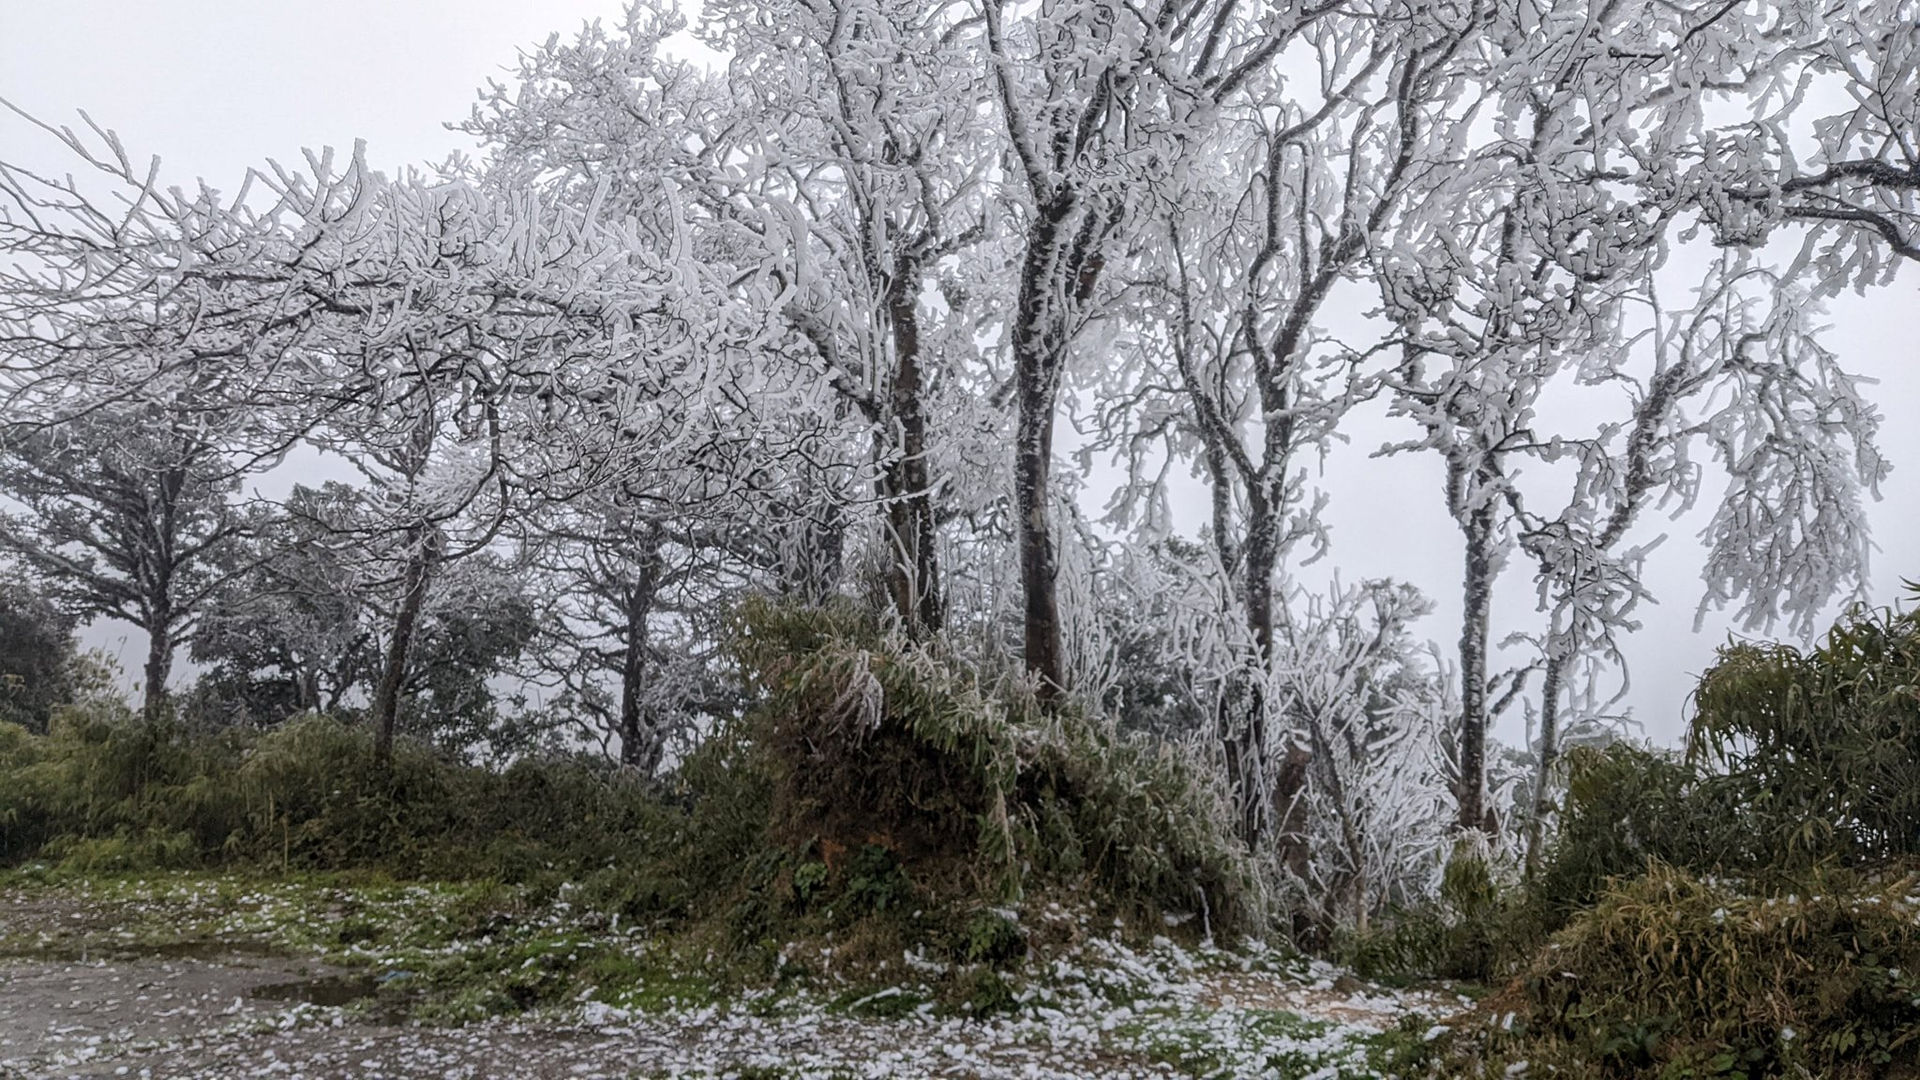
{"x": 88, "y": 990}
{"x": 207, "y": 1018}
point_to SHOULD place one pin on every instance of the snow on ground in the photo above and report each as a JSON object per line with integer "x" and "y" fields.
{"x": 82, "y": 999}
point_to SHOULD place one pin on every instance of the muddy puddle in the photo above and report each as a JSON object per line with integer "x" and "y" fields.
{"x": 365, "y": 994}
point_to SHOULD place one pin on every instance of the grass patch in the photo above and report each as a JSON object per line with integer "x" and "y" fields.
{"x": 1210, "y": 1045}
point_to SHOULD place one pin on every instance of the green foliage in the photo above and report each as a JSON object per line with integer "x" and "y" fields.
{"x": 1627, "y": 806}
{"x": 876, "y": 883}
{"x": 874, "y": 744}
{"x": 1671, "y": 976}
{"x": 982, "y": 991}
{"x": 106, "y": 792}
{"x": 1822, "y": 748}
{"x": 1146, "y": 821}
{"x": 1795, "y": 761}
{"x": 38, "y": 660}
{"x": 993, "y": 939}
{"x": 1714, "y": 914}
{"x": 101, "y": 776}
{"x": 872, "y": 740}
{"x": 1460, "y": 937}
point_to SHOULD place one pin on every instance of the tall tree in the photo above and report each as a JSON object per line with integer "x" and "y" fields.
{"x": 637, "y": 586}
{"x": 1098, "y": 101}
{"x": 1741, "y": 371}
{"x": 127, "y": 513}
{"x": 1510, "y": 272}
{"x": 832, "y": 167}
{"x": 1278, "y": 210}
{"x": 292, "y": 633}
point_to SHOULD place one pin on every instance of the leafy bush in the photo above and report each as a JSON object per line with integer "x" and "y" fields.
{"x": 1460, "y": 937}
{"x": 872, "y": 744}
{"x": 1628, "y": 806}
{"x": 993, "y": 939}
{"x": 1719, "y": 913}
{"x": 1794, "y": 761}
{"x": 39, "y": 663}
{"x": 99, "y": 774}
{"x": 1821, "y": 748}
{"x": 872, "y": 740}
{"x": 105, "y": 791}
{"x": 878, "y": 795}
{"x": 1672, "y": 976}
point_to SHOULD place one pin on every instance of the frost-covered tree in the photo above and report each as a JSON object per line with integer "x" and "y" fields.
{"x": 304, "y": 629}
{"x": 1796, "y": 117}
{"x": 871, "y": 164}
{"x": 127, "y": 512}
{"x": 1615, "y": 124}
{"x": 472, "y": 349}
{"x": 291, "y": 633}
{"x": 637, "y": 589}
{"x": 1271, "y": 218}
{"x": 1100, "y": 103}
{"x": 840, "y": 171}
{"x": 1374, "y": 710}
{"x": 1740, "y": 373}
{"x": 1510, "y": 273}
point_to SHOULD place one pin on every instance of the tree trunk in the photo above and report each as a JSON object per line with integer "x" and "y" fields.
{"x": 640, "y": 747}
{"x": 1282, "y": 801}
{"x": 1549, "y": 751}
{"x": 1243, "y": 736}
{"x": 1039, "y": 354}
{"x": 1478, "y": 602}
{"x": 159, "y": 668}
{"x": 309, "y": 691}
{"x": 913, "y": 575}
{"x": 425, "y": 540}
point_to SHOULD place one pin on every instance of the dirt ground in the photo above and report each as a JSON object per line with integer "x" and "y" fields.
{"x": 82, "y": 1002}
{"x": 229, "y": 1016}
{"x": 81, "y": 995}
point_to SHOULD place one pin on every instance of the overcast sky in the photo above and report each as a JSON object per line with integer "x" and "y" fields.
{"x": 214, "y": 86}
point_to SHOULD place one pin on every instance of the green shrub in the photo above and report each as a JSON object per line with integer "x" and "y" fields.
{"x": 1627, "y": 806}
{"x": 1461, "y": 936}
{"x": 982, "y": 991}
{"x": 123, "y": 852}
{"x": 105, "y": 791}
{"x": 1821, "y": 748}
{"x": 1671, "y": 976}
{"x": 877, "y": 792}
{"x": 993, "y": 939}
{"x": 101, "y": 774}
{"x": 876, "y": 883}
{"x": 1795, "y": 760}
{"x": 23, "y": 821}
{"x": 871, "y": 740}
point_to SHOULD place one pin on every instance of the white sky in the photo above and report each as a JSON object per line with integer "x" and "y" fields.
{"x": 214, "y": 86}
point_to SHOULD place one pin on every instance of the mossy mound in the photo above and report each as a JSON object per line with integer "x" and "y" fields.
{"x": 871, "y": 740}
